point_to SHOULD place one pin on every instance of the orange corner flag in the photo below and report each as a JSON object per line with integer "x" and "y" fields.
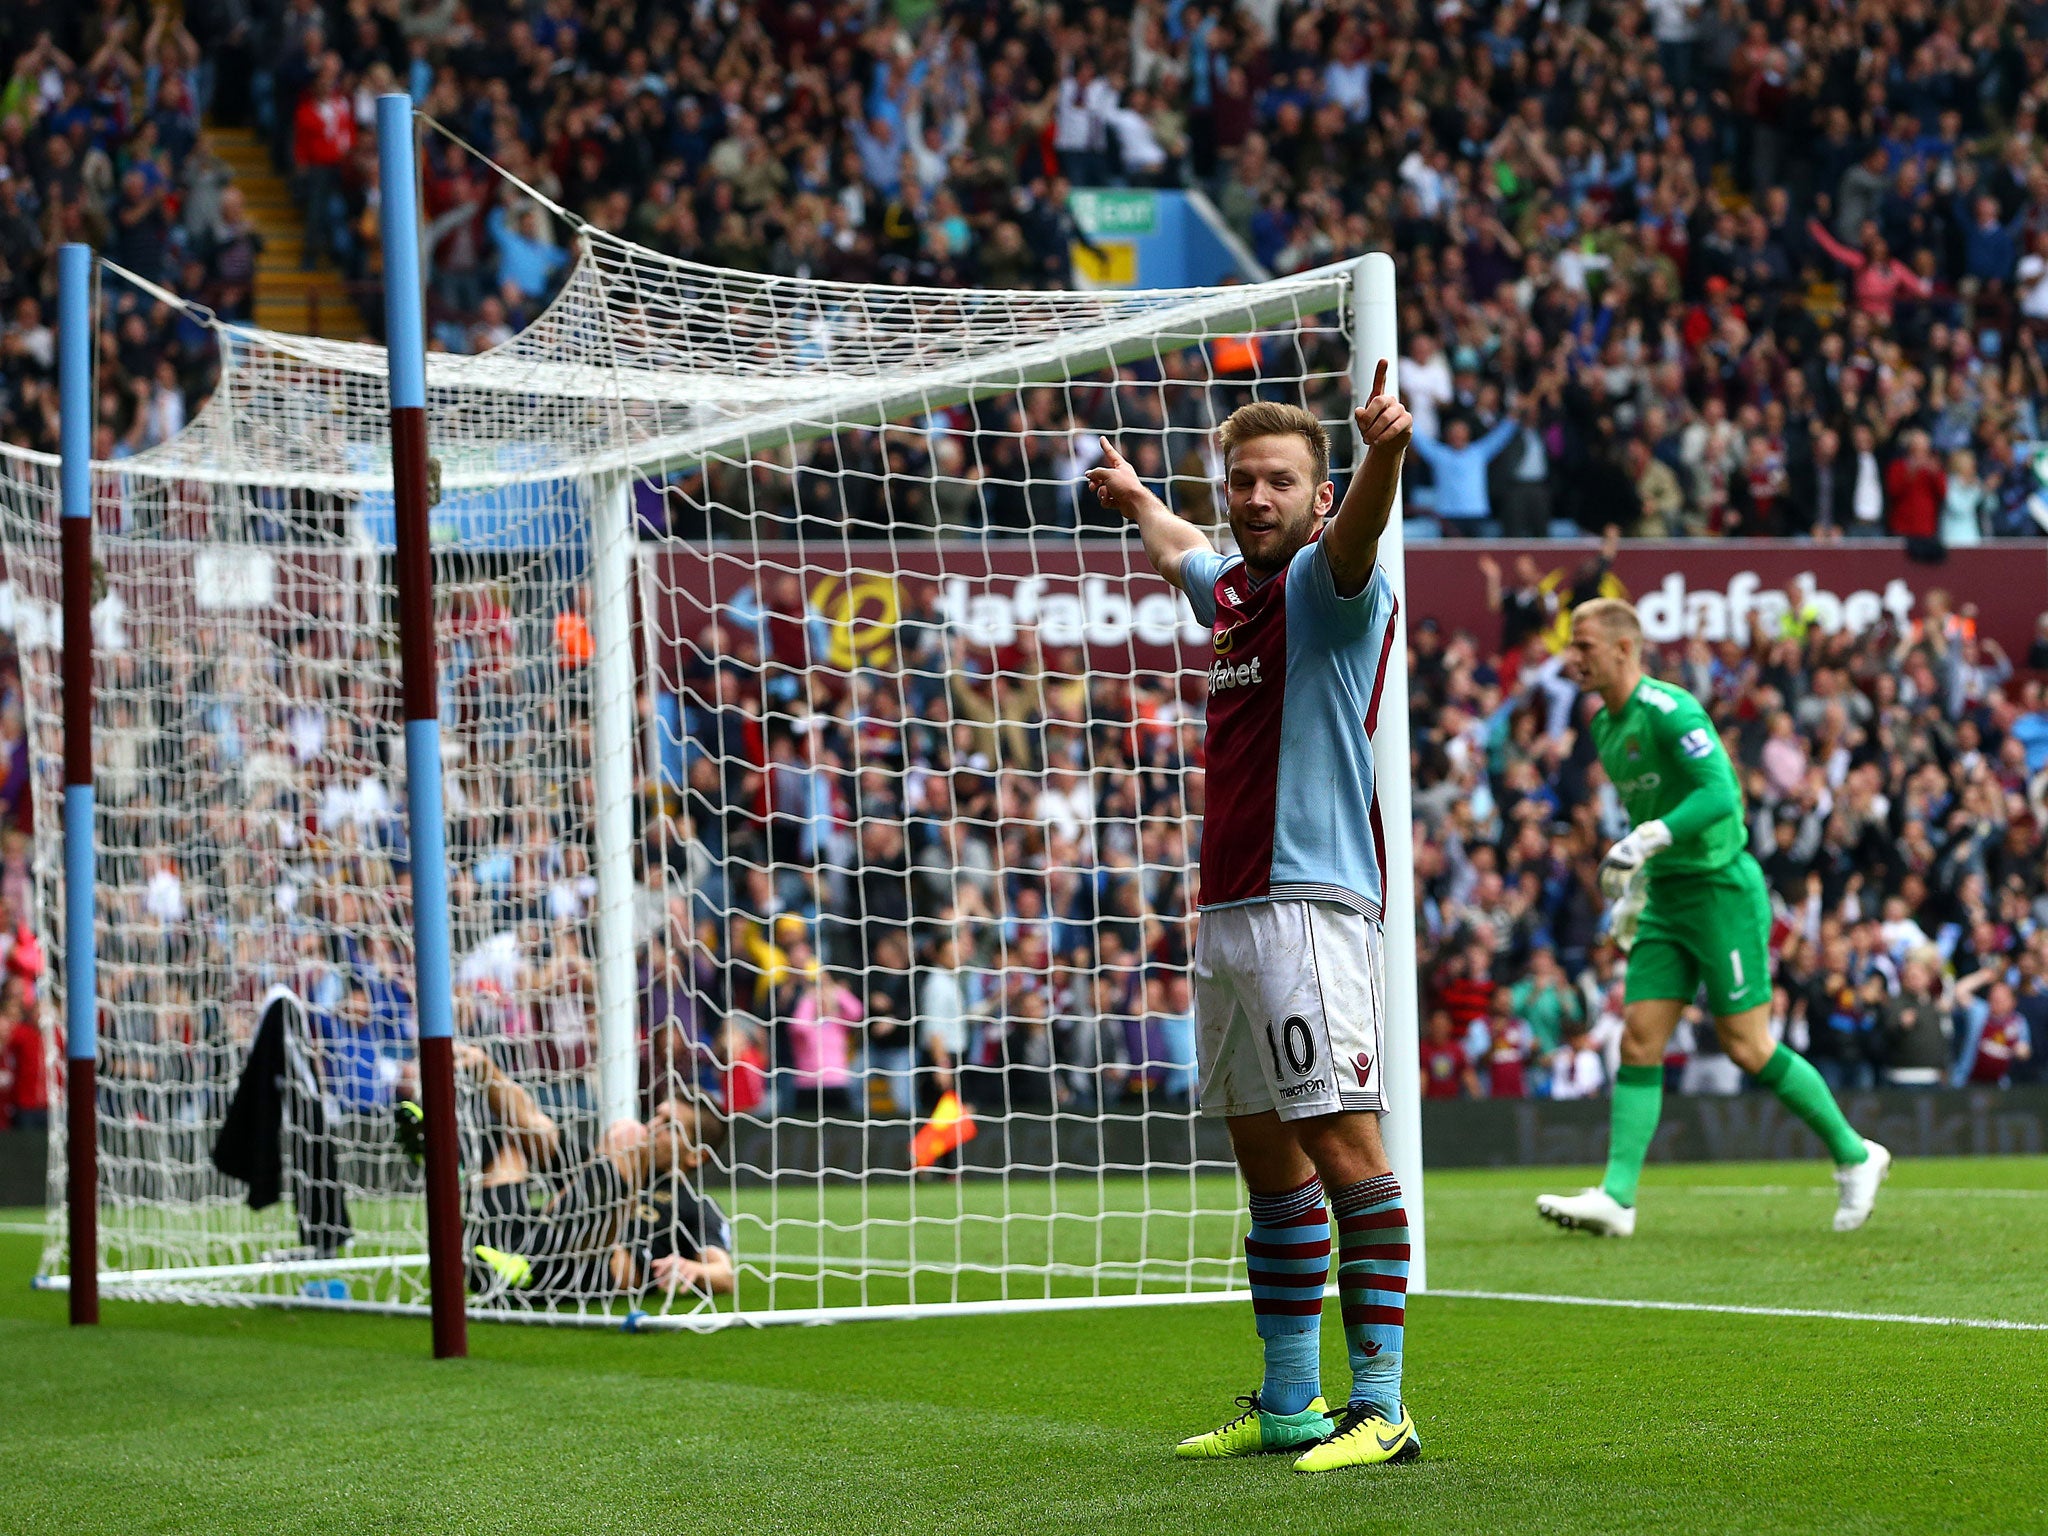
{"x": 951, "y": 1126}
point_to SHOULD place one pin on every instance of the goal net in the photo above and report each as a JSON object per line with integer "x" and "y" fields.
{"x": 823, "y": 783}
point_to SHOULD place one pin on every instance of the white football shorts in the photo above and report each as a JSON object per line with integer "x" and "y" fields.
{"x": 1290, "y": 1003}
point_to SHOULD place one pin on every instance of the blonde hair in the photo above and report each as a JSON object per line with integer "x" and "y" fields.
{"x": 1269, "y": 418}
{"x": 1612, "y": 615}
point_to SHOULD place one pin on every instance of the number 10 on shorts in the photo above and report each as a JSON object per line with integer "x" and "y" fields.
{"x": 1293, "y": 1047}
{"x": 1287, "y": 1009}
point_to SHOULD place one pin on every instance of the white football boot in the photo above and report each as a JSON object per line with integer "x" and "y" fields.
{"x": 1592, "y": 1210}
{"x": 1858, "y": 1183}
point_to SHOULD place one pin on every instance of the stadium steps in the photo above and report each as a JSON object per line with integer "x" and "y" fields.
{"x": 313, "y": 303}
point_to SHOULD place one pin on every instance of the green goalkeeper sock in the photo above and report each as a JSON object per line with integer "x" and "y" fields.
{"x": 1638, "y": 1101}
{"x": 1801, "y": 1089}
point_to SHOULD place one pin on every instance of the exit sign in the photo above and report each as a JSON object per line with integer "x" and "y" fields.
{"x": 1115, "y": 213}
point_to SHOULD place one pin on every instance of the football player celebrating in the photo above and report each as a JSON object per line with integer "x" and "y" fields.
{"x": 1690, "y": 907}
{"x": 1288, "y": 962}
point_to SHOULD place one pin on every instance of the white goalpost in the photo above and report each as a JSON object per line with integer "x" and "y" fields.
{"x": 816, "y": 755}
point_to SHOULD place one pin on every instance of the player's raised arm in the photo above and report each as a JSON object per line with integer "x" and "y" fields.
{"x": 1351, "y": 543}
{"x": 1168, "y": 539}
{"x": 522, "y": 1121}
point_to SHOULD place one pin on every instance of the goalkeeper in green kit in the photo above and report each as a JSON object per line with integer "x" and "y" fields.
{"x": 1690, "y": 909}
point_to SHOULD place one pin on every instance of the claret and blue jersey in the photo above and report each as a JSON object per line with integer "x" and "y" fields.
{"x": 1294, "y": 695}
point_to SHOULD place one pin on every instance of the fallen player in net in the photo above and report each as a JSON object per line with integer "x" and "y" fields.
{"x": 623, "y": 1222}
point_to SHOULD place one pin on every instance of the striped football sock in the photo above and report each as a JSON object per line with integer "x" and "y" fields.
{"x": 1287, "y": 1254}
{"x": 1372, "y": 1282}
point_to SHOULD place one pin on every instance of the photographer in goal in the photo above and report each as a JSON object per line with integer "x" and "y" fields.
{"x": 1691, "y": 908}
{"x": 1288, "y": 963}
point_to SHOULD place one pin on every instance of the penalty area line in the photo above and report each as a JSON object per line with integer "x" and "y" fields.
{"x": 1824, "y": 1313}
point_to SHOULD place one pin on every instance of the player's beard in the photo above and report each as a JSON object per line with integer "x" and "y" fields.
{"x": 1269, "y": 553}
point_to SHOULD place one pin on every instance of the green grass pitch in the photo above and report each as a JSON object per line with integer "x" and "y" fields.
{"x": 1536, "y": 1416}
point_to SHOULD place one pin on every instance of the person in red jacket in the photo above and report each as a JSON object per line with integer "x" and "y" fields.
{"x": 1914, "y": 488}
{"x": 24, "y": 1073}
{"x": 24, "y": 964}
{"x": 1464, "y": 987}
{"x": 323, "y": 137}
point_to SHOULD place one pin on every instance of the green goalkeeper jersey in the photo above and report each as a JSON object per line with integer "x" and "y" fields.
{"x": 1667, "y": 764}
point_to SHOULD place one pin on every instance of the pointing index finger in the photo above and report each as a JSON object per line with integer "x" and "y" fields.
{"x": 1379, "y": 377}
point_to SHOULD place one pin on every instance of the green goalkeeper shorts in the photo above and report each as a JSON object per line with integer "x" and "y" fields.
{"x": 1713, "y": 928}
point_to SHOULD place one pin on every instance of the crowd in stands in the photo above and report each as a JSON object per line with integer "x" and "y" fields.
{"x": 989, "y": 844}
{"x": 1896, "y": 785}
{"x": 249, "y": 774}
{"x": 1690, "y": 267}
{"x": 968, "y": 868}
{"x": 101, "y": 141}
{"x": 972, "y": 863}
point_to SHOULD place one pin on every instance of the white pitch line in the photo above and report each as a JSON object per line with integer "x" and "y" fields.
{"x": 1746, "y": 1189}
{"x": 1890, "y": 1193}
{"x": 1708, "y": 1306}
{"x": 1974, "y": 1194}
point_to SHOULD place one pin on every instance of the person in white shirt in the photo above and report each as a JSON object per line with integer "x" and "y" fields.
{"x": 1429, "y": 176}
{"x": 32, "y": 338}
{"x": 941, "y": 1014}
{"x": 1143, "y": 156}
{"x": 1576, "y": 1070}
{"x": 1672, "y": 24}
{"x": 306, "y": 728}
{"x": 497, "y": 962}
{"x": 165, "y": 405}
{"x": 2033, "y": 278}
{"x": 365, "y": 805}
{"x": 1426, "y": 384}
{"x": 1575, "y": 262}
{"x": 1347, "y": 77}
{"x": 1067, "y": 803}
{"x": 932, "y": 137}
{"x": 1866, "y": 496}
{"x": 1712, "y": 449}
{"x": 1901, "y": 933}
{"x": 1081, "y": 123}
{"x": 164, "y": 897}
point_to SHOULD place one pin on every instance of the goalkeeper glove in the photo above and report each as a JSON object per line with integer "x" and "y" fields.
{"x": 1629, "y": 855}
{"x": 410, "y": 1130}
{"x": 1627, "y": 912}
